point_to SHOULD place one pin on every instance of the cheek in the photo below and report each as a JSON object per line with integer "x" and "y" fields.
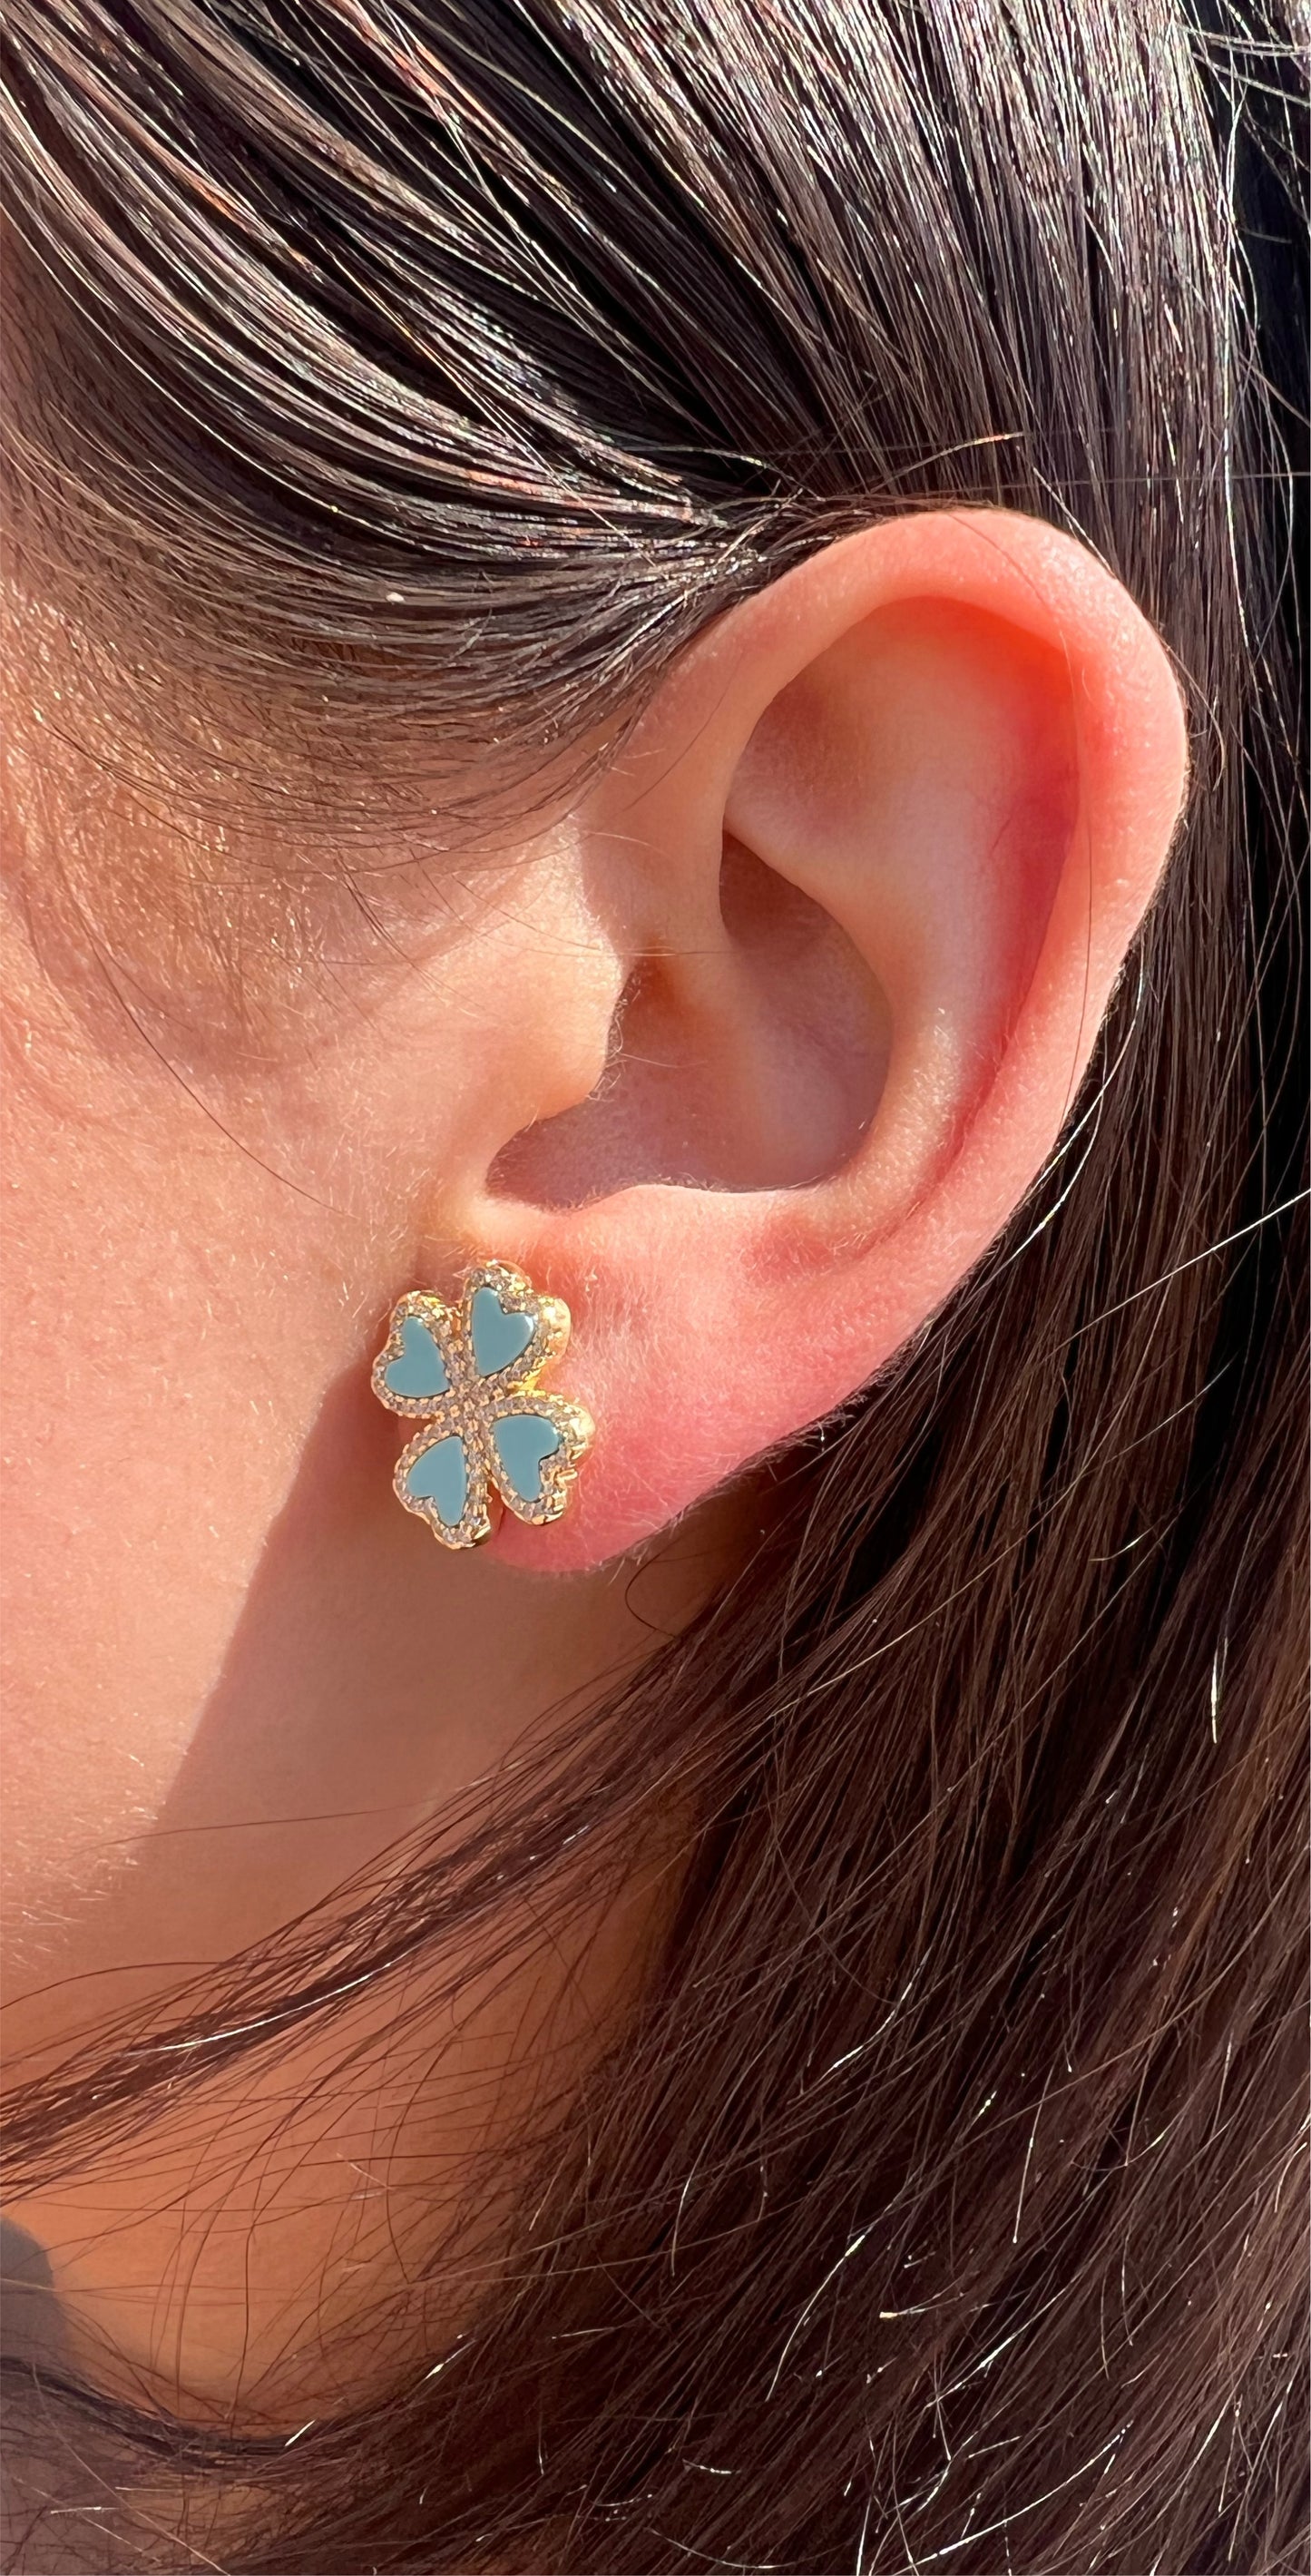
{"x": 144, "y": 1456}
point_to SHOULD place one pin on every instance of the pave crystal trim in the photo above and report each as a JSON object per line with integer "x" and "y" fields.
{"x": 473, "y": 1404}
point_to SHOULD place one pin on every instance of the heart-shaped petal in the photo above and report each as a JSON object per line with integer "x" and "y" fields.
{"x": 523, "y": 1441}
{"x": 418, "y": 1371}
{"x": 500, "y": 1335}
{"x": 440, "y": 1476}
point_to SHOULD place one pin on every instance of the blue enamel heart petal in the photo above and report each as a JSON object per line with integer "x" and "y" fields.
{"x": 498, "y": 1337}
{"x": 440, "y": 1476}
{"x": 523, "y": 1441}
{"x": 418, "y": 1370}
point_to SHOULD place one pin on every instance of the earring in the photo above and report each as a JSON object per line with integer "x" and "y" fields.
{"x": 470, "y": 1372}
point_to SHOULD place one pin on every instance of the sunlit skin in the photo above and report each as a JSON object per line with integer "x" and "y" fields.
{"x": 855, "y": 895}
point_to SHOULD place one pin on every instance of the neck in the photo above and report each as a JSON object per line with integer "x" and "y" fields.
{"x": 230, "y": 2257}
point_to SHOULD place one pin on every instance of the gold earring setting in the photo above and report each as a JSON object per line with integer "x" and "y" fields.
{"x": 469, "y": 1372}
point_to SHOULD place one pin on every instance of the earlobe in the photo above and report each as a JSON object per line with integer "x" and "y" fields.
{"x": 956, "y": 749}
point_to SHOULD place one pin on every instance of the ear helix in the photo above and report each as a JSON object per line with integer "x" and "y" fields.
{"x": 468, "y": 1373}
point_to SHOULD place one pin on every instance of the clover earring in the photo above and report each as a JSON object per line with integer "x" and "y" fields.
{"x": 469, "y": 1371}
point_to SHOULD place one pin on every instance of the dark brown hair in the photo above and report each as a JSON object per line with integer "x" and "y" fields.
{"x": 458, "y": 359}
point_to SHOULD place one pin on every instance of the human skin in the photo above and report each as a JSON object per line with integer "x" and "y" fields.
{"x": 854, "y": 896}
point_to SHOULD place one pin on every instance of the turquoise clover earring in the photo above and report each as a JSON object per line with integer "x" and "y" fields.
{"x": 470, "y": 1372}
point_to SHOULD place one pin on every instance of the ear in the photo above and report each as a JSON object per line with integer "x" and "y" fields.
{"x": 871, "y": 864}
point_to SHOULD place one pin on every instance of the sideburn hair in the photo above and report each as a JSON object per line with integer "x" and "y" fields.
{"x": 454, "y": 361}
